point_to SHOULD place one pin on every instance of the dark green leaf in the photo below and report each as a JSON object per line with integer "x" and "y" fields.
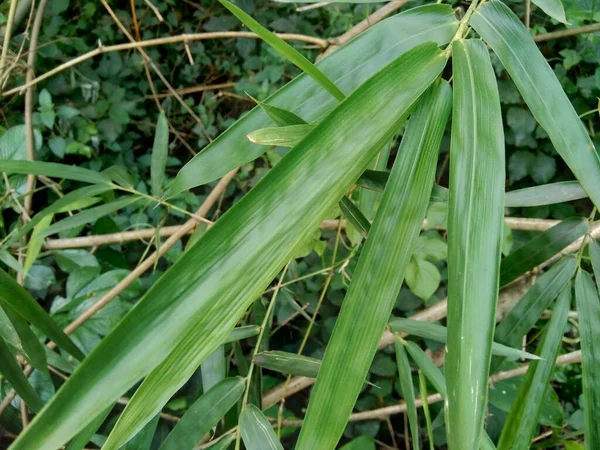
{"x": 11, "y": 370}
{"x": 408, "y": 390}
{"x": 355, "y": 216}
{"x": 160, "y": 153}
{"x": 548, "y": 194}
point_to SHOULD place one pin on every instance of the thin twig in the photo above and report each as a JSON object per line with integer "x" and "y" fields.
{"x": 195, "y": 89}
{"x": 312, "y": 6}
{"x": 7, "y": 34}
{"x": 592, "y": 28}
{"x": 154, "y": 10}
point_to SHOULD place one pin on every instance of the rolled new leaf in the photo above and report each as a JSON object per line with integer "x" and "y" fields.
{"x": 378, "y": 276}
{"x": 192, "y": 308}
{"x": 541, "y": 90}
{"x": 475, "y": 230}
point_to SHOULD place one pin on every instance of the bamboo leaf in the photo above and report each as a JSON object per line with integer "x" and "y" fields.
{"x": 289, "y": 363}
{"x": 541, "y": 248}
{"x": 408, "y": 390}
{"x": 205, "y": 413}
{"x": 348, "y": 67}
{"x": 53, "y": 170}
{"x": 160, "y": 153}
{"x": 439, "y": 333}
{"x": 28, "y": 342}
{"x": 553, "y": 8}
{"x": 594, "y": 248}
{"x": 386, "y": 253}
{"x": 192, "y": 308}
{"x": 375, "y": 180}
{"x": 588, "y": 307}
{"x": 214, "y": 368}
{"x": 522, "y": 420}
{"x": 486, "y": 442}
{"x": 11, "y": 370}
{"x": 84, "y": 436}
{"x": 475, "y": 229}
{"x": 355, "y": 216}
{"x": 284, "y": 136}
{"x": 285, "y": 50}
{"x": 257, "y": 432}
{"x": 35, "y": 243}
{"x": 280, "y": 116}
{"x": 425, "y": 364}
{"x": 426, "y": 413}
{"x": 143, "y": 439}
{"x": 239, "y": 333}
{"x": 541, "y": 90}
{"x": 89, "y": 215}
{"x": 17, "y": 298}
{"x": 546, "y": 194}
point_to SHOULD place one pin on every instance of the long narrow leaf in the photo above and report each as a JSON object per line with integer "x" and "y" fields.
{"x": 280, "y": 116}
{"x": 522, "y": 420}
{"x": 239, "y": 333}
{"x": 192, "y": 308}
{"x": 588, "y": 307}
{"x": 408, "y": 391}
{"x": 289, "y": 363}
{"x": 594, "y": 247}
{"x": 541, "y": 90}
{"x": 285, "y": 50}
{"x": 17, "y": 298}
{"x": 52, "y": 170}
{"x": 426, "y": 413}
{"x": 160, "y": 153}
{"x": 257, "y": 432}
{"x": 29, "y": 343}
{"x": 546, "y": 194}
{"x": 425, "y": 364}
{"x": 475, "y": 229}
{"x": 214, "y": 368}
{"x": 35, "y": 243}
{"x": 348, "y": 67}
{"x": 205, "y": 413}
{"x": 355, "y": 216}
{"x": 387, "y": 253}
{"x": 11, "y": 370}
{"x": 287, "y": 136}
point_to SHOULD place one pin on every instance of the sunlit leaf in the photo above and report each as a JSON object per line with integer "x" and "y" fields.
{"x": 286, "y": 136}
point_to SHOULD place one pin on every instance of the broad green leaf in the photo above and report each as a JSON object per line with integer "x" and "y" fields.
{"x": 205, "y": 413}
{"x": 287, "y": 136}
{"x": 239, "y": 333}
{"x": 12, "y": 372}
{"x": 426, "y": 413}
{"x": 588, "y": 307}
{"x": 525, "y": 314}
{"x": 17, "y": 298}
{"x": 541, "y": 90}
{"x": 475, "y": 230}
{"x": 541, "y": 248}
{"x": 214, "y": 368}
{"x": 522, "y": 420}
{"x": 553, "y": 8}
{"x": 280, "y": 116}
{"x": 353, "y": 215}
{"x": 160, "y": 153}
{"x": 423, "y": 278}
{"x": 35, "y": 243}
{"x": 425, "y": 364}
{"x": 348, "y": 67}
{"x": 257, "y": 432}
{"x": 28, "y": 342}
{"x": 386, "y": 253}
{"x": 89, "y": 215}
{"x": 57, "y": 206}
{"x": 194, "y": 306}
{"x": 408, "y": 390}
{"x": 289, "y": 363}
{"x": 546, "y": 194}
{"x": 439, "y": 333}
{"x": 285, "y": 50}
{"x": 53, "y": 170}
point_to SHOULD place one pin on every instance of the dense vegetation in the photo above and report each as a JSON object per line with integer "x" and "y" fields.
{"x": 140, "y": 163}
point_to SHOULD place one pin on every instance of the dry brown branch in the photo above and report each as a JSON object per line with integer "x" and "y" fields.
{"x": 592, "y": 28}
{"x": 195, "y": 89}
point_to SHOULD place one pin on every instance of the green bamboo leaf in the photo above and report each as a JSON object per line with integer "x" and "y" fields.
{"x": 348, "y": 67}
{"x": 289, "y": 363}
{"x": 426, "y": 413}
{"x": 439, "y": 333}
{"x": 355, "y": 216}
{"x": 284, "y": 136}
{"x": 375, "y": 180}
{"x": 280, "y": 116}
{"x": 53, "y": 170}
{"x": 588, "y": 307}
{"x": 285, "y": 50}
{"x": 35, "y": 243}
{"x": 427, "y": 367}
{"x": 475, "y": 230}
{"x": 27, "y": 341}
{"x": 89, "y": 215}
{"x": 541, "y": 90}
{"x": 84, "y": 436}
{"x": 68, "y": 200}
{"x": 205, "y": 413}
{"x": 386, "y": 253}
{"x": 553, "y": 8}
{"x": 143, "y": 439}
{"x": 17, "y": 298}
{"x": 546, "y": 194}
{"x": 541, "y": 248}
{"x": 525, "y": 314}
{"x": 223, "y": 443}
{"x": 486, "y": 442}
{"x": 11, "y": 370}
{"x": 239, "y": 333}
{"x": 522, "y": 420}
{"x": 256, "y": 430}
{"x": 173, "y": 328}
{"x": 160, "y": 153}
{"x": 594, "y": 248}
{"x": 214, "y": 368}
{"x": 408, "y": 390}
{"x": 10, "y": 261}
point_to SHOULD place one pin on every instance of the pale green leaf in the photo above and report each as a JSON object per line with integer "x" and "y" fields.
{"x": 35, "y": 243}
{"x": 284, "y": 136}
{"x": 53, "y": 170}
{"x": 553, "y": 8}
{"x": 257, "y": 432}
{"x": 547, "y": 194}
{"x": 160, "y": 153}
{"x": 289, "y": 363}
{"x": 408, "y": 390}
